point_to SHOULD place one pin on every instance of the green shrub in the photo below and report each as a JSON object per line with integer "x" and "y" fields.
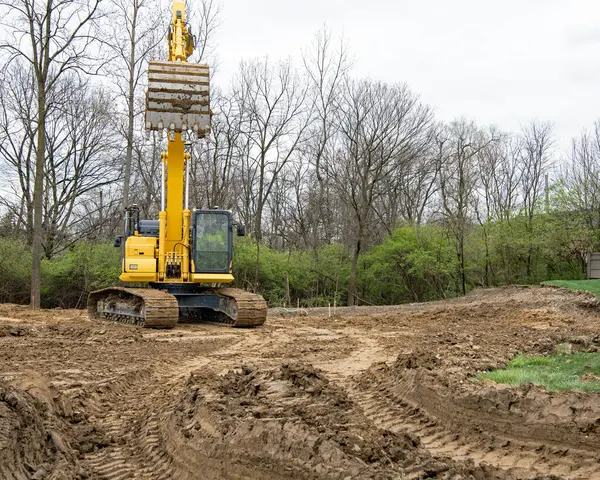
{"x": 15, "y": 270}
{"x": 413, "y": 264}
{"x": 71, "y": 275}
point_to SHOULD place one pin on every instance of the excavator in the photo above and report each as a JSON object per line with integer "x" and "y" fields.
{"x": 186, "y": 255}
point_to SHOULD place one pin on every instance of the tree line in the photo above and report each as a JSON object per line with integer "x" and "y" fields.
{"x": 353, "y": 192}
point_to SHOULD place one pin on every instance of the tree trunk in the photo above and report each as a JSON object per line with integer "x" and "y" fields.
{"x": 462, "y": 267}
{"x": 352, "y": 285}
{"x": 36, "y": 250}
{"x": 127, "y": 166}
{"x": 257, "y": 272}
{"x": 288, "y": 298}
{"x": 488, "y": 263}
{"x": 130, "y": 113}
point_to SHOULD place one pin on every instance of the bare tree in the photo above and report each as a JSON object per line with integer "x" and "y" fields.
{"x": 52, "y": 36}
{"x": 98, "y": 215}
{"x": 498, "y": 197}
{"x": 18, "y": 132}
{"x": 327, "y": 64}
{"x": 275, "y": 121}
{"x": 327, "y": 68}
{"x": 410, "y": 189}
{"x": 536, "y": 151}
{"x": 205, "y": 17}
{"x": 214, "y": 162}
{"x": 132, "y": 35}
{"x": 146, "y": 185}
{"x": 580, "y": 179}
{"x": 381, "y": 128}
{"x": 503, "y": 177}
{"x": 576, "y": 196}
{"x": 81, "y": 147}
{"x": 79, "y": 153}
{"x": 275, "y": 118}
{"x": 458, "y": 147}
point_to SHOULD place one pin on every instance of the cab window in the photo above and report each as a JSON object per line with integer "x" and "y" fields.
{"x": 212, "y": 242}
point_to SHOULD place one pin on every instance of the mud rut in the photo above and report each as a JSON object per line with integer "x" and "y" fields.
{"x": 367, "y": 393}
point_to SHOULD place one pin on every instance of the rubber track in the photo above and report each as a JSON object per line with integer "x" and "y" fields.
{"x": 251, "y": 307}
{"x": 160, "y": 309}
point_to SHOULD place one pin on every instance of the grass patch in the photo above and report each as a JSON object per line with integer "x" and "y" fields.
{"x": 592, "y": 286}
{"x": 579, "y": 371}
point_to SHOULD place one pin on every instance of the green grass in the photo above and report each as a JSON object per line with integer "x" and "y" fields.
{"x": 555, "y": 372}
{"x": 592, "y": 286}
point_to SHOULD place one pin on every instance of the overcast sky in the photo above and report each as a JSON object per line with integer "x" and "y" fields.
{"x": 497, "y": 62}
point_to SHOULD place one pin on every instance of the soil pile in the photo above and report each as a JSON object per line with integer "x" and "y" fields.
{"x": 41, "y": 437}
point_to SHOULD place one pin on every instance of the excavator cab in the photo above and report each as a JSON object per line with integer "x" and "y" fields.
{"x": 212, "y": 241}
{"x": 211, "y": 238}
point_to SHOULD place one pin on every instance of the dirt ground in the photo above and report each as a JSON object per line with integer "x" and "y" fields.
{"x": 366, "y": 393}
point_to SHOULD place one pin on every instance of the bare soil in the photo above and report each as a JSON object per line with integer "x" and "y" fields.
{"x": 368, "y": 392}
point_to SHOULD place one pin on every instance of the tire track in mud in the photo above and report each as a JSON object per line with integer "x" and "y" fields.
{"x": 131, "y": 423}
{"x": 504, "y": 456}
{"x": 137, "y": 454}
{"x": 517, "y": 461}
{"x": 477, "y": 440}
{"x": 132, "y": 413}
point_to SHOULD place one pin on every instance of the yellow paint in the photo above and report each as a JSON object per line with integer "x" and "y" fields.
{"x": 138, "y": 277}
{"x": 140, "y": 247}
{"x": 180, "y": 43}
{"x": 212, "y": 278}
{"x": 178, "y": 6}
{"x": 195, "y": 278}
{"x": 185, "y": 268}
{"x": 139, "y": 264}
{"x": 175, "y": 177}
{"x": 162, "y": 235}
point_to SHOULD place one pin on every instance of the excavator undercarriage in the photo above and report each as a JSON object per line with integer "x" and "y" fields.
{"x": 150, "y": 307}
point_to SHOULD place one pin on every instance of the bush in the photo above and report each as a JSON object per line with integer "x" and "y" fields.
{"x": 70, "y": 276}
{"x": 15, "y": 270}
{"x": 414, "y": 264}
{"x": 315, "y": 277}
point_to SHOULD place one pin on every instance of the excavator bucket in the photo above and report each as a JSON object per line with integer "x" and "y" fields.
{"x": 178, "y": 97}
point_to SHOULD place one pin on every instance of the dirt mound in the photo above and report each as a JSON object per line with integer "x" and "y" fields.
{"x": 16, "y": 330}
{"x": 42, "y": 434}
{"x": 35, "y": 440}
{"x": 427, "y": 360}
{"x": 293, "y": 418}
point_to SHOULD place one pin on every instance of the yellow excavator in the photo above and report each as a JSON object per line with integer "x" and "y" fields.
{"x": 184, "y": 254}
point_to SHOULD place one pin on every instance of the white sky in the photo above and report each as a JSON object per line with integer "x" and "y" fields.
{"x": 498, "y": 62}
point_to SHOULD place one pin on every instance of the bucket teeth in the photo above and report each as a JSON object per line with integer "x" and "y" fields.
{"x": 178, "y": 96}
